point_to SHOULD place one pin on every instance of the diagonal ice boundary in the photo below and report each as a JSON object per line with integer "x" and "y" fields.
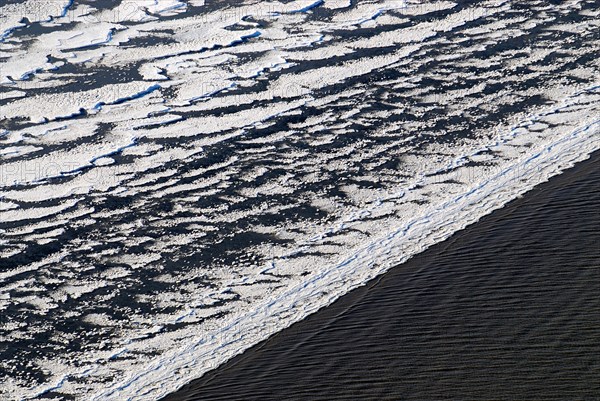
{"x": 171, "y": 371}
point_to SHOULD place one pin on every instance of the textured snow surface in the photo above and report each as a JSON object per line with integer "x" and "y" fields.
{"x": 181, "y": 179}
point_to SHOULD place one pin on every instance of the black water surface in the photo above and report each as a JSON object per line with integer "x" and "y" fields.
{"x": 508, "y": 309}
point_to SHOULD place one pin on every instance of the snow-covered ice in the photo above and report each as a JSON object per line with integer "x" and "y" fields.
{"x": 181, "y": 179}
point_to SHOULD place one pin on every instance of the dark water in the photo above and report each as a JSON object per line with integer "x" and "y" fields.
{"x": 508, "y": 309}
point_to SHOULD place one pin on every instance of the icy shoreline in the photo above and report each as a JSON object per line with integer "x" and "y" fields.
{"x": 163, "y": 376}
